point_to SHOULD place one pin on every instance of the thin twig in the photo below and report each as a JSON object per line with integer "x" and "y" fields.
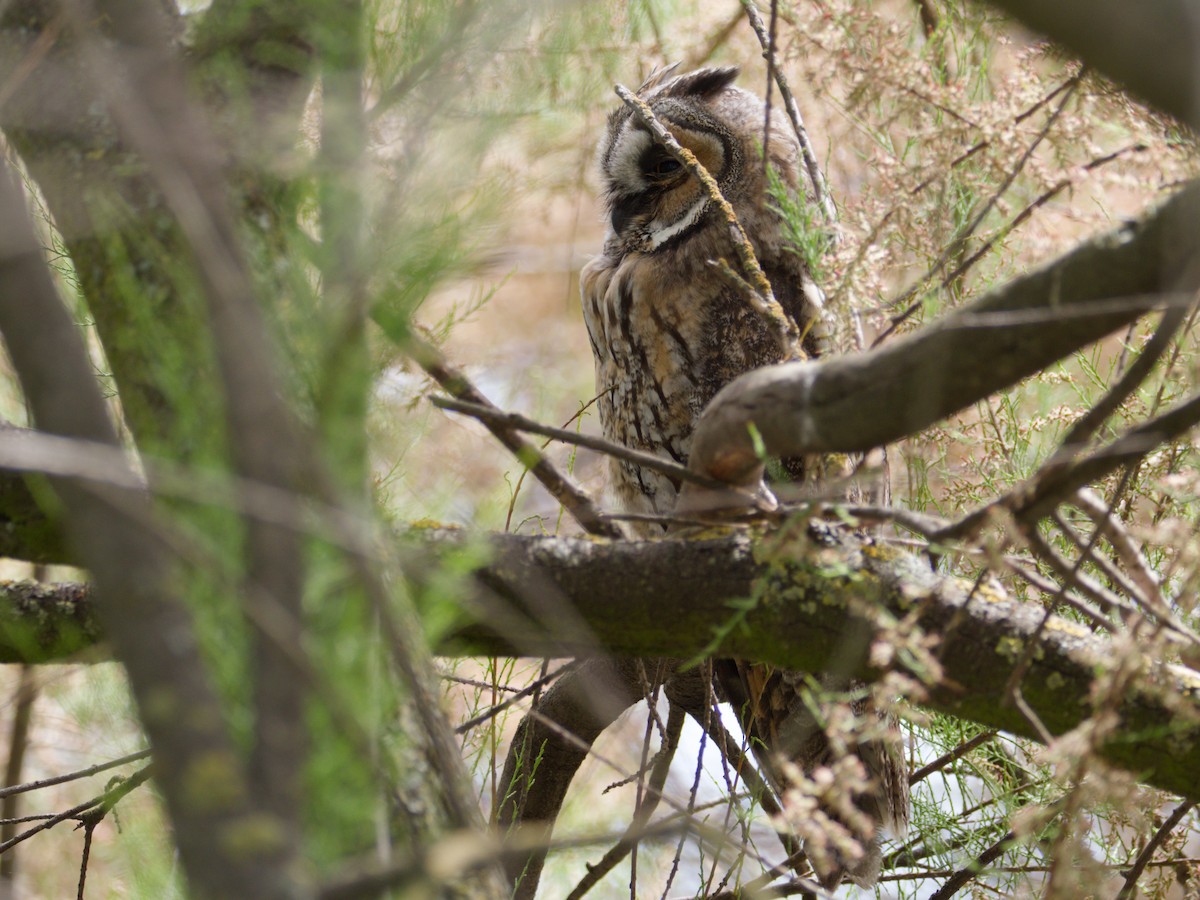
{"x": 711, "y": 837}
{"x": 1048, "y": 585}
{"x": 105, "y": 801}
{"x": 1051, "y": 486}
{"x": 537, "y": 685}
{"x": 88, "y": 828}
{"x": 562, "y": 488}
{"x": 946, "y": 758}
{"x": 645, "y": 809}
{"x": 961, "y": 269}
{"x": 971, "y": 227}
{"x": 1123, "y": 544}
{"x": 515, "y": 421}
{"x": 74, "y": 776}
{"x": 815, "y": 175}
{"x": 1074, "y": 577}
{"x": 1139, "y": 865}
{"x": 1117, "y": 578}
{"x": 959, "y": 879}
{"x": 516, "y": 491}
{"x": 1087, "y": 425}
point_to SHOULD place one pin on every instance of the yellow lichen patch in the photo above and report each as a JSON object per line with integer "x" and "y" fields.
{"x": 211, "y": 782}
{"x": 1063, "y": 626}
{"x": 1009, "y": 647}
{"x": 992, "y": 593}
{"x": 988, "y": 591}
{"x": 253, "y": 835}
{"x": 433, "y": 525}
{"x": 881, "y": 552}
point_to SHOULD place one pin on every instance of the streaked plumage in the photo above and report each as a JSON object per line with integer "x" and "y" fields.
{"x": 668, "y": 332}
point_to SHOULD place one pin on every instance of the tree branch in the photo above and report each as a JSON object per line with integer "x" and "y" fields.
{"x": 111, "y": 528}
{"x": 859, "y": 401}
{"x": 1116, "y": 36}
{"x": 569, "y": 597}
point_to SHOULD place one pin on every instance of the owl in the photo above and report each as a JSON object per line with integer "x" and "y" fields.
{"x": 667, "y": 332}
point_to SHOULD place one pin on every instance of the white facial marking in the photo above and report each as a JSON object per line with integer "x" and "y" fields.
{"x": 660, "y": 234}
{"x": 626, "y": 158}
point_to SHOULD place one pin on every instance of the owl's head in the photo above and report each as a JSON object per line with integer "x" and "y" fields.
{"x": 653, "y": 202}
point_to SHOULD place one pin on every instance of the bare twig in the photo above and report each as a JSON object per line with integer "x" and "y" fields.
{"x": 1119, "y": 580}
{"x": 1134, "y": 872}
{"x": 89, "y": 826}
{"x": 74, "y": 776}
{"x": 1088, "y": 424}
{"x": 493, "y": 711}
{"x": 975, "y": 222}
{"x": 102, "y": 804}
{"x": 965, "y": 875}
{"x": 1123, "y": 544}
{"x": 565, "y": 491}
{"x": 518, "y": 422}
{"x": 812, "y": 167}
{"x": 961, "y": 269}
{"x": 644, "y": 810}
{"x": 950, "y": 756}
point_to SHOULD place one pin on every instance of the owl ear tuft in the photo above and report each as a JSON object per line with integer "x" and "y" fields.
{"x": 703, "y": 82}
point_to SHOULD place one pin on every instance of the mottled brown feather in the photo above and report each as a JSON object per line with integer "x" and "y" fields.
{"x": 667, "y": 333}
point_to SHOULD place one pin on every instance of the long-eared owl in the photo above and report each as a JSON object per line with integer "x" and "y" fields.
{"x": 668, "y": 332}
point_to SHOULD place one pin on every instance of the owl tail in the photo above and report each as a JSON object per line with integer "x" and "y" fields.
{"x": 837, "y": 766}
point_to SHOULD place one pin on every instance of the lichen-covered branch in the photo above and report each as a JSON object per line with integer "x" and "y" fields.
{"x": 546, "y": 596}
{"x": 670, "y": 598}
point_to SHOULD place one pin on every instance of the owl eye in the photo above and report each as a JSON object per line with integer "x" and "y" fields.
{"x": 666, "y": 165}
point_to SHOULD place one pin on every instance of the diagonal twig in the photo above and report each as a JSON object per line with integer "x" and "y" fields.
{"x": 562, "y": 488}
{"x": 518, "y": 422}
{"x": 944, "y": 258}
{"x": 1134, "y": 872}
{"x": 645, "y": 809}
{"x": 785, "y": 329}
{"x": 812, "y": 167}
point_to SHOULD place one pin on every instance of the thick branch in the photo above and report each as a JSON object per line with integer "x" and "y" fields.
{"x": 804, "y": 611}
{"x": 860, "y": 401}
{"x": 1149, "y": 46}
{"x": 45, "y": 622}
{"x": 112, "y": 530}
{"x": 563, "y": 597}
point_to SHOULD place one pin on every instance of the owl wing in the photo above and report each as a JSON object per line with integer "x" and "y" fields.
{"x": 803, "y": 301}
